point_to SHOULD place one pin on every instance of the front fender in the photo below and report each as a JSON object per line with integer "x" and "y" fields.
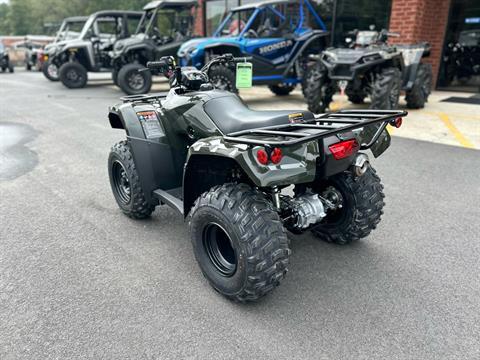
{"x": 298, "y": 164}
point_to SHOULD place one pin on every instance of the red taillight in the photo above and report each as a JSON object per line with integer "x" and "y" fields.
{"x": 397, "y": 122}
{"x": 344, "y": 149}
{"x": 262, "y": 157}
{"x": 276, "y": 155}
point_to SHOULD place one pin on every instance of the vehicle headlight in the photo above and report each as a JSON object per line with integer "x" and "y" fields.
{"x": 119, "y": 46}
{"x": 370, "y": 58}
{"x": 330, "y": 57}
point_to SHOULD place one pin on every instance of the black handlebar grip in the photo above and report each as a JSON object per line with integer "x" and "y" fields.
{"x": 156, "y": 64}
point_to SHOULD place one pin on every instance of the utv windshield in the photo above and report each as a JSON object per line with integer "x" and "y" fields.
{"x": 167, "y": 23}
{"x": 70, "y": 30}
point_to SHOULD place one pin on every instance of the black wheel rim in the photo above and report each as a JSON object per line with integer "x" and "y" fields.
{"x": 135, "y": 80}
{"x": 219, "y": 249}
{"x": 73, "y": 76}
{"x": 121, "y": 182}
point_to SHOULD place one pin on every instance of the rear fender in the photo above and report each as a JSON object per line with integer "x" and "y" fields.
{"x": 151, "y": 150}
{"x": 298, "y": 164}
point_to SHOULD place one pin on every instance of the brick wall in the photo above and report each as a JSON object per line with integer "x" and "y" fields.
{"x": 421, "y": 20}
{"x": 198, "y": 24}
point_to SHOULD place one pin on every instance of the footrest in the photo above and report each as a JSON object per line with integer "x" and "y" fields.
{"x": 170, "y": 198}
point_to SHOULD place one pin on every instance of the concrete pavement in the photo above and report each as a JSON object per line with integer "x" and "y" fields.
{"x": 80, "y": 280}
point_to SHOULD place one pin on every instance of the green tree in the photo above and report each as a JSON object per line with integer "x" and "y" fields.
{"x": 21, "y": 17}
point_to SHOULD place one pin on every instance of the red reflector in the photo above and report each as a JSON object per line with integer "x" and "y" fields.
{"x": 397, "y": 122}
{"x": 262, "y": 157}
{"x": 344, "y": 149}
{"x": 276, "y": 155}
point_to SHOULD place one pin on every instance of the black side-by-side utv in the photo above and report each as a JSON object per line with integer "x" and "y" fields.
{"x": 370, "y": 67}
{"x": 241, "y": 178}
{"x": 164, "y": 26}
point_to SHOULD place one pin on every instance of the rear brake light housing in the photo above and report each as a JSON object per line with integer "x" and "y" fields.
{"x": 397, "y": 122}
{"x": 268, "y": 155}
{"x": 344, "y": 149}
{"x": 262, "y": 157}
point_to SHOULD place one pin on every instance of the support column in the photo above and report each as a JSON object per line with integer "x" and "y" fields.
{"x": 421, "y": 20}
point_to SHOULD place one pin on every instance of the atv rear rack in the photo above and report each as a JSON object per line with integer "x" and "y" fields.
{"x": 320, "y": 127}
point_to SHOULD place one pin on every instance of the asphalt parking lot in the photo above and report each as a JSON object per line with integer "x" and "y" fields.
{"x": 80, "y": 280}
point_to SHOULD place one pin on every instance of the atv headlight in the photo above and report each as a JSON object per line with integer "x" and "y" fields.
{"x": 329, "y": 57}
{"x": 371, "y": 58}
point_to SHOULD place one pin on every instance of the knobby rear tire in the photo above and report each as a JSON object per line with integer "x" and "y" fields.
{"x": 138, "y": 207}
{"x": 257, "y": 236}
{"x": 361, "y": 212}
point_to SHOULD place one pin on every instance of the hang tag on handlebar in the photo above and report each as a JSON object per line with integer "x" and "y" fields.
{"x": 244, "y": 75}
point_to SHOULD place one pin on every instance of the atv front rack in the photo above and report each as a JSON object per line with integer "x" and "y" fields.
{"x": 320, "y": 127}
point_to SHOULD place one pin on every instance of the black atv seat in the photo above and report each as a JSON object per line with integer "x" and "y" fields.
{"x": 230, "y": 115}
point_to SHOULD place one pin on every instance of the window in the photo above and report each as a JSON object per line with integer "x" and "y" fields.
{"x": 360, "y": 14}
{"x": 236, "y": 23}
{"x": 460, "y": 67}
{"x": 216, "y": 11}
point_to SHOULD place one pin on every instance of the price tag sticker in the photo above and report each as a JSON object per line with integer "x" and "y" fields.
{"x": 244, "y": 75}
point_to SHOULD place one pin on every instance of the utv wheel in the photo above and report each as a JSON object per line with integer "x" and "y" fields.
{"x": 223, "y": 78}
{"x": 386, "y": 89}
{"x": 11, "y": 68}
{"x": 134, "y": 82}
{"x": 50, "y": 71}
{"x": 318, "y": 89}
{"x": 239, "y": 241}
{"x": 125, "y": 184}
{"x": 362, "y": 204}
{"x": 28, "y": 66}
{"x": 73, "y": 75}
{"x": 422, "y": 87}
{"x": 355, "y": 96}
{"x": 281, "y": 89}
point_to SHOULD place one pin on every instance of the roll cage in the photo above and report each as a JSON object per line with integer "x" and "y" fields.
{"x": 258, "y": 8}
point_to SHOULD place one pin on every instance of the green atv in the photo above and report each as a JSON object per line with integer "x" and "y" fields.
{"x": 242, "y": 178}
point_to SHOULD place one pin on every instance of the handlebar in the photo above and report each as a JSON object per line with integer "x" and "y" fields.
{"x": 168, "y": 67}
{"x": 225, "y": 58}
